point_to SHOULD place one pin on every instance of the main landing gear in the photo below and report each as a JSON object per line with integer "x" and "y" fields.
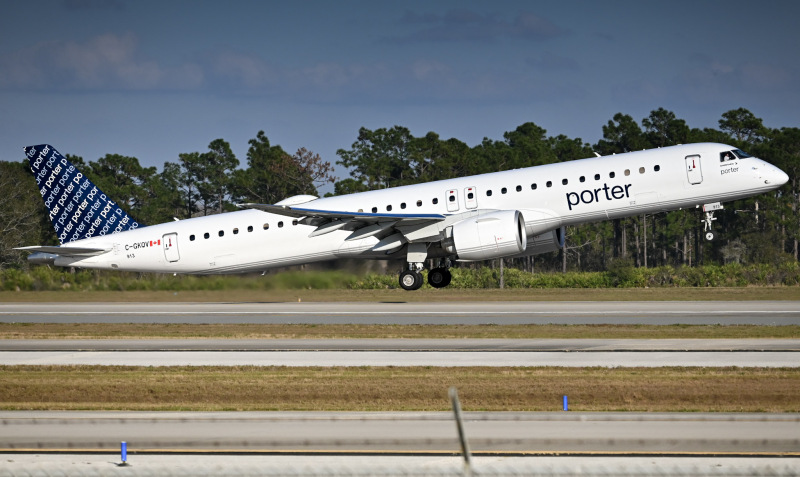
{"x": 438, "y": 277}
{"x": 410, "y": 279}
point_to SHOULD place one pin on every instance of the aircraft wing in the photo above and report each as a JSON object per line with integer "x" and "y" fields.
{"x": 298, "y": 212}
{"x": 65, "y": 251}
{"x": 362, "y": 224}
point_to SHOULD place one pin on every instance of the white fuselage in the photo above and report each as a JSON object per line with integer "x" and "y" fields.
{"x": 548, "y": 196}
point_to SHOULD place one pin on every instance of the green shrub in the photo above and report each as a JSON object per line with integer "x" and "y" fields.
{"x": 621, "y": 273}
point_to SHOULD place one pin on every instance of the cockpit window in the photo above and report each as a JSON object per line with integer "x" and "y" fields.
{"x": 731, "y": 155}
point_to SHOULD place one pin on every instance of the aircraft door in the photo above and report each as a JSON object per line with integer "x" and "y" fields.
{"x": 693, "y": 171}
{"x": 452, "y": 200}
{"x": 471, "y": 197}
{"x": 170, "y": 242}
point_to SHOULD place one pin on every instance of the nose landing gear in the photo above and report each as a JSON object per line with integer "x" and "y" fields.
{"x": 709, "y": 219}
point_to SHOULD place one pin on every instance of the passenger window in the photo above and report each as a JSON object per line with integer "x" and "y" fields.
{"x": 221, "y": 233}
{"x": 533, "y": 186}
{"x": 249, "y": 228}
{"x": 549, "y": 184}
{"x": 519, "y": 188}
{"x": 611, "y": 175}
{"x": 266, "y": 226}
{"x": 374, "y": 210}
{"x": 503, "y": 190}
{"x": 235, "y": 231}
{"x": 402, "y": 205}
{"x": 452, "y": 198}
{"x": 657, "y": 168}
{"x": 280, "y": 224}
{"x": 641, "y": 170}
{"x": 583, "y": 179}
{"x": 597, "y": 177}
{"x": 627, "y": 172}
{"x": 419, "y": 203}
{"x": 388, "y": 208}
{"x": 206, "y": 235}
{"x": 435, "y": 201}
{"x": 564, "y": 182}
{"x": 294, "y": 222}
{"x": 470, "y": 196}
{"x": 488, "y": 193}
{"x": 191, "y": 238}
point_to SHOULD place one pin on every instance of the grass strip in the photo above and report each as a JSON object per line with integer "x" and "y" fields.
{"x": 299, "y": 331}
{"x": 422, "y": 295}
{"x": 671, "y": 389}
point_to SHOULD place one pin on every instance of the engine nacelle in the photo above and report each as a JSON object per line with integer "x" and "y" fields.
{"x": 487, "y": 236}
{"x": 549, "y": 241}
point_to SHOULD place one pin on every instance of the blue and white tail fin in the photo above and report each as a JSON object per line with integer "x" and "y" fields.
{"x": 78, "y": 209}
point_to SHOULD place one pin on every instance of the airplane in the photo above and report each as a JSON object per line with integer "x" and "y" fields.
{"x": 505, "y": 214}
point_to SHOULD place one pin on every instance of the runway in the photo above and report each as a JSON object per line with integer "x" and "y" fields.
{"x": 405, "y": 344}
{"x": 322, "y": 443}
{"x": 378, "y": 352}
{"x": 500, "y": 313}
{"x": 397, "y": 352}
{"x": 394, "y": 466}
{"x": 408, "y": 432}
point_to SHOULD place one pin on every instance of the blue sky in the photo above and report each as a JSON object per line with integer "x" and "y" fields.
{"x": 153, "y": 79}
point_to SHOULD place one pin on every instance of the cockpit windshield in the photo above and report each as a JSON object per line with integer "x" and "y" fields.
{"x": 734, "y": 154}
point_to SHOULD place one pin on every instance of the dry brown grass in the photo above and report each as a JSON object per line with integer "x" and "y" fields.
{"x": 283, "y": 331}
{"x": 398, "y": 389}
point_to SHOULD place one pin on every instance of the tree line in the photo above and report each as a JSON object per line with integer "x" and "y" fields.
{"x": 763, "y": 229}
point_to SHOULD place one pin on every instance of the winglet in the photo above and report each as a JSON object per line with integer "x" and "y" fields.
{"x": 78, "y": 209}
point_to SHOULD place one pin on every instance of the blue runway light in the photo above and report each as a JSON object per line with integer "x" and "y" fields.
{"x": 566, "y": 406}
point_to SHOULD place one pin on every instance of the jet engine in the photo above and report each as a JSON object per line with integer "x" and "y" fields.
{"x": 545, "y": 242}
{"x": 487, "y": 236}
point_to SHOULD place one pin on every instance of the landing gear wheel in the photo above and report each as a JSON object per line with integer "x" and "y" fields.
{"x": 709, "y": 236}
{"x": 410, "y": 280}
{"x": 439, "y": 277}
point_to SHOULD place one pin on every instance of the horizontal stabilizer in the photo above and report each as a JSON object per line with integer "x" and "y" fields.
{"x": 65, "y": 251}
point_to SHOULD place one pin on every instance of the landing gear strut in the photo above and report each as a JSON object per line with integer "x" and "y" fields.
{"x": 411, "y": 278}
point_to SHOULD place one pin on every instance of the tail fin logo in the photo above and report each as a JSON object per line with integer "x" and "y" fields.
{"x": 78, "y": 209}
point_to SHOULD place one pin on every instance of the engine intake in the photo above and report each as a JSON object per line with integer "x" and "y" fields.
{"x": 487, "y": 236}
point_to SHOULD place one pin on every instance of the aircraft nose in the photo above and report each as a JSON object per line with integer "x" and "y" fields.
{"x": 777, "y": 177}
